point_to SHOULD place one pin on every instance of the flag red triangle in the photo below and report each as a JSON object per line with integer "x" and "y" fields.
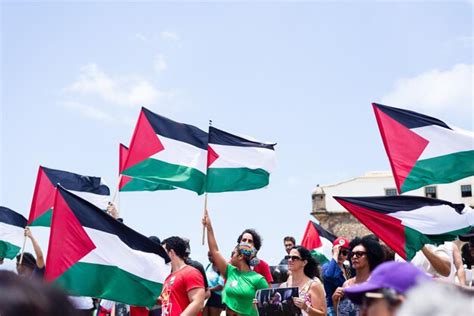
{"x": 388, "y": 228}
{"x": 311, "y": 239}
{"x": 68, "y": 241}
{"x": 211, "y": 156}
{"x": 403, "y": 146}
{"x": 145, "y": 142}
{"x": 43, "y": 196}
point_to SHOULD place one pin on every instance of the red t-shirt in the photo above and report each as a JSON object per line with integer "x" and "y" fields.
{"x": 264, "y": 269}
{"x": 174, "y": 297}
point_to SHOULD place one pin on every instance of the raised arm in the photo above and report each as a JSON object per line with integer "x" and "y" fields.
{"x": 439, "y": 262}
{"x": 219, "y": 259}
{"x": 458, "y": 264}
{"x": 36, "y": 248}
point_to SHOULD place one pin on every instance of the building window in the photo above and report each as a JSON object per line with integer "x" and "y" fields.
{"x": 430, "y": 192}
{"x": 391, "y": 192}
{"x": 466, "y": 190}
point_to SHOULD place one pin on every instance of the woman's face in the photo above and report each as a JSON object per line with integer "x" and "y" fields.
{"x": 295, "y": 262}
{"x": 359, "y": 257}
{"x": 234, "y": 257}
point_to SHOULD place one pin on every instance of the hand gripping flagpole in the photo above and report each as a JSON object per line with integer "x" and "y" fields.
{"x": 205, "y": 212}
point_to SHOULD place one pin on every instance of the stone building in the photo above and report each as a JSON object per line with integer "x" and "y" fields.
{"x": 336, "y": 219}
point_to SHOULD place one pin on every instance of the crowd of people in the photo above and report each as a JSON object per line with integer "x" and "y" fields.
{"x": 363, "y": 277}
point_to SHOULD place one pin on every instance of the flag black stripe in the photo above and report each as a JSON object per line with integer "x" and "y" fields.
{"x": 410, "y": 119}
{"x": 393, "y": 204}
{"x": 76, "y": 182}
{"x": 220, "y": 137}
{"x": 178, "y": 131}
{"x": 10, "y": 217}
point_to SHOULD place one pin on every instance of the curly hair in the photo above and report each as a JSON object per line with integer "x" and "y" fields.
{"x": 311, "y": 269}
{"x": 375, "y": 252}
{"x": 257, "y": 240}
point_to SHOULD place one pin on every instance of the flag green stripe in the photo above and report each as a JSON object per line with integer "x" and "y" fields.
{"x": 142, "y": 185}
{"x": 236, "y": 179}
{"x": 414, "y": 240}
{"x": 8, "y": 250}
{"x": 443, "y": 169}
{"x": 110, "y": 282}
{"x": 167, "y": 173}
{"x": 44, "y": 219}
{"x": 322, "y": 259}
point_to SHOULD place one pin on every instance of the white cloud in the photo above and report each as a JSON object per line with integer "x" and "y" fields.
{"x": 159, "y": 64}
{"x": 169, "y": 35}
{"x": 141, "y": 37}
{"x": 435, "y": 90}
{"x": 126, "y": 92}
{"x": 88, "y": 111}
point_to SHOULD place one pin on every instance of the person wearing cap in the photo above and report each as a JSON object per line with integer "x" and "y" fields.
{"x": 335, "y": 273}
{"x": 383, "y": 293}
{"x": 242, "y": 283}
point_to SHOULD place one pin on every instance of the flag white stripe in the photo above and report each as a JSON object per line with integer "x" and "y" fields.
{"x": 183, "y": 154}
{"x": 326, "y": 248}
{"x": 112, "y": 251}
{"x": 435, "y": 220}
{"x": 101, "y": 201}
{"x": 12, "y": 234}
{"x": 443, "y": 141}
{"x": 244, "y": 157}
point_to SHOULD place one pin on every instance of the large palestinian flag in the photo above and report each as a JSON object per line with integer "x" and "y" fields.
{"x": 424, "y": 150}
{"x": 12, "y": 227}
{"x": 92, "y": 254}
{"x": 318, "y": 241}
{"x": 167, "y": 152}
{"x": 406, "y": 223}
{"x": 135, "y": 184}
{"x": 89, "y": 188}
{"x": 235, "y": 163}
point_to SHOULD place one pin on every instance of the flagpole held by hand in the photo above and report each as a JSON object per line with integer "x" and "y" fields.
{"x": 205, "y": 212}
{"x": 23, "y": 248}
{"x": 116, "y": 189}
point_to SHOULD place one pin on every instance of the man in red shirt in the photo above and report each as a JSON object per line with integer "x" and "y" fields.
{"x": 183, "y": 291}
{"x": 250, "y": 236}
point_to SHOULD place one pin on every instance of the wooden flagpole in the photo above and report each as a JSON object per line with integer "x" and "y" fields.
{"x": 23, "y": 249}
{"x": 205, "y": 212}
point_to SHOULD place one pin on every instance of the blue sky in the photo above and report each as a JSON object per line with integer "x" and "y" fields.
{"x": 302, "y": 74}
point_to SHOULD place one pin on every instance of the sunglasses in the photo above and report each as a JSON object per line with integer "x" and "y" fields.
{"x": 293, "y": 258}
{"x": 344, "y": 252}
{"x": 357, "y": 254}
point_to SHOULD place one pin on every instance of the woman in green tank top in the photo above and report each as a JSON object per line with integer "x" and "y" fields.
{"x": 241, "y": 282}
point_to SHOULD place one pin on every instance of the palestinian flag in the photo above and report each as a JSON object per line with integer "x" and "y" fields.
{"x": 235, "y": 163}
{"x": 318, "y": 241}
{"x": 12, "y": 227}
{"x": 406, "y": 223}
{"x": 136, "y": 184}
{"x": 92, "y": 254}
{"x": 90, "y": 188}
{"x": 424, "y": 150}
{"x": 167, "y": 152}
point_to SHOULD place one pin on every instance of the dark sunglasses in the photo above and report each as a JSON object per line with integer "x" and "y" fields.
{"x": 344, "y": 252}
{"x": 294, "y": 258}
{"x": 357, "y": 254}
